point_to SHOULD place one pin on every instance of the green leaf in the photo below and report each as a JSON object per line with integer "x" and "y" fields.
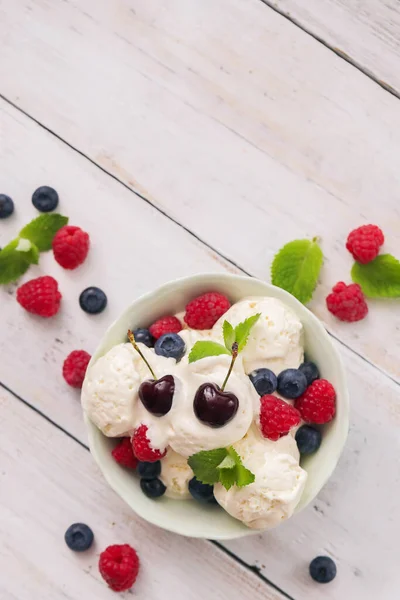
{"x": 242, "y": 330}
{"x": 380, "y": 278}
{"x": 243, "y": 476}
{"x": 205, "y": 464}
{"x": 227, "y": 477}
{"x": 296, "y": 268}
{"x": 227, "y": 463}
{"x": 42, "y": 230}
{"x": 229, "y": 335}
{"x": 14, "y": 263}
{"x": 206, "y": 348}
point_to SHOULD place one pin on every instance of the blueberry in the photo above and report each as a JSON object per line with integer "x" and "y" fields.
{"x": 170, "y": 345}
{"x": 322, "y": 569}
{"x": 93, "y": 300}
{"x": 310, "y": 370}
{"x": 144, "y": 337}
{"x": 6, "y": 206}
{"x": 79, "y": 537}
{"x": 292, "y": 383}
{"x": 45, "y": 198}
{"x": 152, "y": 488}
{"x": 202, "y": 492}
{"x": 308, "y": 439}
{"x": 264, "y": 380}
{"x": 149, "y": 470}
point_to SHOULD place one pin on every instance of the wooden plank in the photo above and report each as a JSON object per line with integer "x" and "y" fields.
{"x": 134, "y": 249}
{"x": 228, "y": 117}
{"x": 48, "y": 482}
{"x": 366, "y": 33}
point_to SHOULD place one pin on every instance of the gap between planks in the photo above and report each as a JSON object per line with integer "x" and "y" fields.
{"x": 171, "y": 218}
{"x": 252, "y": 568}
{"x": 351, "y": 61}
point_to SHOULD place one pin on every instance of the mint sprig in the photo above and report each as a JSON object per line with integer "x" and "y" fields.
{"x": 238, "y": 335}
{"x": 296, "y": 268}
{"x": 42, "y": 230}
{"x": 380, "y": 278}
{"x": 222, "y": 465}
{"x": 21, "y": 253}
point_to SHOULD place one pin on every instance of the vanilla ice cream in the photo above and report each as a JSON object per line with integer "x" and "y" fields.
{"x": 275, "y": 341}
{"x": 278, "y": 486}
{"x": 175, "y": 475}
{"x": 191, "y": 435}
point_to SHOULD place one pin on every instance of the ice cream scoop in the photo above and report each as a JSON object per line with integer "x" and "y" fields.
{"x": 175, "y": 475}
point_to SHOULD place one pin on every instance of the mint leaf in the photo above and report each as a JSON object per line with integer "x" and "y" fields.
{"x": 229, "y": 335}
{"x": 206, "y": 348}
{"x": 296, "y": 268}
{"x": 243, "y": 329}
{"x": 14, "y": 263}
{"x": 227, "y": 477}
{"x": 42, "y": 230}
{"x": 227, "y": 463}
{"x": 205, "y": 464}
{"x": 380, "y": 278}
{"x": 243, "y": 476}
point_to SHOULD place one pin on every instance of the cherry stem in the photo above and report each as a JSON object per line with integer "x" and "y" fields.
{"x": 235, "y": 352}
{"x": 138, "y": 350}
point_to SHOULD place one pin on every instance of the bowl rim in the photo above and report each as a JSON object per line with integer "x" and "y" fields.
{"x": 289, "y": 300}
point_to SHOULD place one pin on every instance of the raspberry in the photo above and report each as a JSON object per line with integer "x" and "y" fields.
{"x": 318, "y": 403}
{"x": 70, "y": 246}
{"x": 141, "y": 446}
{"x": 204, "y": 311}
{"x": 364, "y": 243}
{"x": 347, "y": 302}
{"x": 165, "y": 325}
{"x": 40, "y": 296}
{"x": 74, "y": 368}
{"x": 119, "y": 566}
{"x": 123, "y": 454}
{"x": 277, "y": 417}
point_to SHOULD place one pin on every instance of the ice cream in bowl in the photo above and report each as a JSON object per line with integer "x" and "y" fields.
{"x": 216, "y": 406}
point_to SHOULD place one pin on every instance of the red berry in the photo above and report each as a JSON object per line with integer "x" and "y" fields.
{"x": 74, "y": 368}
{"x": 347, "y": 302}
{"x": 165, "y": 325}
{"x": 277, "y": 417}
{"x": 204, "y": 311}
{"x": 141, "y": 446}
{"x": 364, "y": 243}
{"x": 119, "y": 566}
{"x": 123, "y": 454}
{"x": 318, "y": 403}
{"x": 40, "y": 296}
{"x": 70, "y": 246}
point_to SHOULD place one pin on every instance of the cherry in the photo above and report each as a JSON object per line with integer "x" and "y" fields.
{"x": 213, "y": 406}
{"x": 156, "y": 395}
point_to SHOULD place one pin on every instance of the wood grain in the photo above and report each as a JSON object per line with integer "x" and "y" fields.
{"x": 43, "y": 497}
{"x": 367, "y": 33}
{"x": 229, "y": 118}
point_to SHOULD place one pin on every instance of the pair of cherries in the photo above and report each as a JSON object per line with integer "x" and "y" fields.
{"x": 212, "y": 405}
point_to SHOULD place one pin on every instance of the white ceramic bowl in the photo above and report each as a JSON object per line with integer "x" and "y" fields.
{"x": 188, "y": 517}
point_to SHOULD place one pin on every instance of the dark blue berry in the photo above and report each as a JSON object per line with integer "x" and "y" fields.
{"x": 79, "y": 537}
{"x": 308, "y": 439}
{"x": 45, "y": 199}
{"x": 149, "y": 470}
{"x": 93, "y": 300}
{"x": 6, "y": 206}
{"x": 152, "y": 488}
{"x": 170, "y": 345}
{"x": 292, "y": 383}
{"x": 264, "y": 380}
{"x": 144, "y": 337}
{"x": 202, "y": 492}
{"x": 322, "y": 569}
{"x": 310, "y": 370}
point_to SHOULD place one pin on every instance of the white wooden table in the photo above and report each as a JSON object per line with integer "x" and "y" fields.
{"x": 189, "y": 136}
